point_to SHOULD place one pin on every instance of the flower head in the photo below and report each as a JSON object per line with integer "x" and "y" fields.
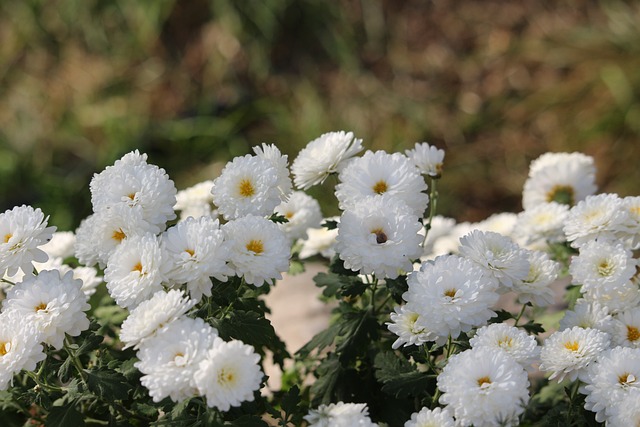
{"x": 587, "y": 314}
{"x": 60, "y": 245}
{"x": 625, "y": 328}
{"x": 320, "y": 241}
{"x": 427, "y": 158}
{"x": 515, "y": 342}
{"x": 437, "y": 417}
{"x": 601, "y": 217}
{"x": 272, "y": 154}
{"x": 302, "y": 212}
{"x": 196, "y": 201}
{"x": 403, "y": 324}
{"x": 340, "y": 415}
{"x": 19, "y": 347}
{"x": 541, "y": 224}
{"x": 602, "y": 263}
{"x": 536, "y": 287}
{"x": 323, "y": 156}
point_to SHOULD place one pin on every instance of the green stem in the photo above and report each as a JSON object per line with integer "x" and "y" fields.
{"x": 75, "y": 360}
{"x": 433, "y": 202}
{"x": 384, "y": 303}
{"x": 450, "y": 346}
{"x": 524, "y": 306}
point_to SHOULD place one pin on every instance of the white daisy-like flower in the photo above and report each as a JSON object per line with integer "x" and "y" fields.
{"x": 440, "y": 226}
{"x": 60, "y": 245}
{"x": 536, "y": 287}
{"x": 247, "y": 186}
{"x": 541, "y": 224}
{"x": 100, "y": 233}
{"x": 196, "y": 201}
{"x": 22, "y": 230}
{"x": 196, "y": 250}
{"x": 587, "y": 314}
{"x": 601, "y": 217}
{"x": 568, "y": 353}
{"x": 53, "y": 303}
{"x": 452, "y": 295}
{"x": 170, "y": 359}
{"x": 19, "y": 347}
{"x": 501, "y": 223}
{"x": 320, "y": 241}
{"x": 484, "y": 387}
{"x": 340, "y": 414}
{"x": 437, "y": 417}
{"x": 603, "y": 263}
{"x": 132, "y": 182}
{"x": 559, "y": 177}
{"x": 258, "y": 250}
{"x": 302, "y": 212}
{"x": 625, "y": 328}
{"x": 382, "y": 174}
{"x": 427, "y": 158}
{"x": 136, "y": 270}
{"x": 515, "y": 342}
{"x": 272, "y": 154}
{"x": 615, "y": 299}
{"x": 229, "y": 374}
{"x": 609, "y": 379}
{"x": 323, "y": 156}
{"x": 153, "y": 314}
{"x": 627, "y": 411}
{"x": 631, "y": 234}
{"x": 450, "y": 242}
{"x": 403, "y": 324}
{"x": 498, "y": 255}
{"x": 379, "y": 236}
{"x": 88, "y": 275}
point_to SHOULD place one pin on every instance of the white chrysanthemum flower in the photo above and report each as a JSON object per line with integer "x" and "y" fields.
{"x": 559, "y": 177}
{"x": 101, "y": 233}
{"x": 602, "y": 264}
{"x": 427, "y": 158}
{"x": 302, "y": 212}
{"x": 627, "y": 411}
{"x": 450, "y": 242}
{"x": 516, "y": 342}
{"x": 22, "y": 230}
{"x": 601, "y": 217}
{"x": 19, "y": 347}
{"x": 437, "y": 417}
{"x": 484, "y": 387}
{"x": 611, "y": 378}
{"x": 229, "y": 374}
{"x": 258, "y": 250}
{"x": 53, "y": 303}
{"x": 625, "y": 328}
{"x": 382, "y": 174}
{"x": 320, "y": 241}
{"x": 501, "y": 223}
{"x": 541, "y": 223}
{"x": 196, "y": 250}
{"x": 196, "y": 201}
{"x": 153, "y": 314}
{"x": 170, "y": 359}
{"x": 440, "y": 226}
{"x": 272, "y": 154}
{"x": 323, "y": 156}
{"x": 452, "y": 295}
{"x": 536, "y": 287}
{"x": 403, "y": 324}
{"x": 136, "y": 270}
{"x": 568, "y": 353}
{"x": 88, "y": 275}
{"x": 498, "y": 255}
{"x": 631, "y": 234}
{"x": 340, "y": 415}
{"x": 615, "y": 299}
{"x": 60, "y": 245}
{"x": 132, "y": 182}
{"x": 247, "y": 186}
{"x": 379, "y": 236}
{"x": 587, "y": 314}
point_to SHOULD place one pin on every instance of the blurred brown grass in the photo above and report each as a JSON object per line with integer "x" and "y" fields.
{"x": 195, "y": 83}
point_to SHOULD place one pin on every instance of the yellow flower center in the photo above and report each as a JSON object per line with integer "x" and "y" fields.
{"x": 505, "y": 342}
{"x": 380, "y": 187}
{"x": 626, "y": 379}
{"x": 118, "y": 235}
{"x": 450, "y": 293}
{"x": 255, "y": 246}
{"x": 381, "y": 237}
{"x": 482, "y": 381}
{"x": 564, "y": 194}
{"x": 246, "y": 188}
{"x": 7, "y": 237}
{"x": 131, "y": 196}
{"x": 605, "y": 268}
{"x": 572, "y": 345}
{"x": 226, "y": 377}
{"x": 288, "y": 215}
{"x": 40, "y": 307}
{"x": 5, "y": 347}
{"x": 633, "y": 334}
{"x": 137, "y": 267}
{"x": 190, "y": 251}
{"x": 635, "y": 210}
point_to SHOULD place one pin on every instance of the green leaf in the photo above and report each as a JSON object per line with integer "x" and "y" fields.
{"x": 107, "y": 384}
{"x": 64, "y": 416}
{"x": 397, "y": 287}
{"x": 296, "y": 267}
{"x": 321, "y": 340}
{"x": 359, "y": 328}
{"x": 328, "y": 376}
{"x": 247, "y": 421}
{"x": 330, "y": 224}
{"x": 89, "y": 343}
{"x": 533, "y": 327}
{"x": 278, "y": 219}
{"x": 400, "y": 378}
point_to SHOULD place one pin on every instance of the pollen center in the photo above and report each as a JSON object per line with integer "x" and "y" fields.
{"x": 40, "y": 307}
{"x": 572, "y": 345}
{"x": 483, "y": 382}
{"x": 255, "y": 246}
{"x": 605, "y": 268}
{"x": 626, "y": 379}
{"x": 246, "y": 188}
{"x": 450, "y": 293}
{"x": 7, "y": 237}
{"x": 380, "y": 187}
{"x": 190, "y": 251}
{"x": 226, "y": 377}
{"x": 288, "y": 215}
{"x": 381, "y": 237}
{"x": 505, "y": 342}
{"x": 633, "y": 334}
{"x": 561, "y": 194}
{"x": 118, "y": 235}
{"x": 5, "y": 347}
{"x": 137, "y": 267}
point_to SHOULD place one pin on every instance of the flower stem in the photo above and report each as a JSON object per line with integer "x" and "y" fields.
{"x": 75, "y": 360}
{"x": 433, "y": 202}
{"x": 519, "y": 316}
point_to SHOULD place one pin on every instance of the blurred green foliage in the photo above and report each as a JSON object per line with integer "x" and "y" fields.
{"x": 194, "y": 83}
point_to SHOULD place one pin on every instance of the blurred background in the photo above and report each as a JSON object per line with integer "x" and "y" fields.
{"x": 194, "y": 83}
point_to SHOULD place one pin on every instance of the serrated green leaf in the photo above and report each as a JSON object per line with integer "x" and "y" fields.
{"x": 108, "y": 385}
{"x": 278, "y": 219}
{"x": 296, "y": 267}
{"x": 64, "y": 416}
{"x": 321, "y": 340}
{"x": 89, "y": 343}
{"x": 533, "y": 327}
{"x": 328, "y": 376}
{"x": 399, "y": 377}
{"x": 359, "y": 328}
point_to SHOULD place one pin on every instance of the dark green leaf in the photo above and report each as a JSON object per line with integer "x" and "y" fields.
{"x": 247, "y": 421}
{"x": 337, "y": 266}
{"x": 89, "y": 343}
{"x": 64, "y": 416}
{"x": 330, "y": 224}
{"x": 397, "y": 287}
{"x": 108, "y": 385}
{"x": 321, "y": 340}
{"x": 533, "y": 327}
{"x": 503, "y": 316}
{"x": 328, "y": 375}
{"x": 400, "y": 378}
{"x": 278, "y": 219}
{"x": 359, "y": 328}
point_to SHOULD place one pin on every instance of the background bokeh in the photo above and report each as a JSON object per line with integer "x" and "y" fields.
{"x": 194, "y": 83}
